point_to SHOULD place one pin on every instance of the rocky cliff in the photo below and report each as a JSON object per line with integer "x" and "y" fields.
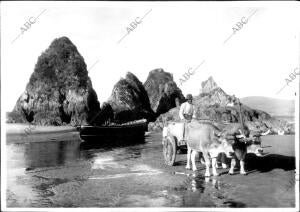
{"x": 129, "y": 100}
{"x": 162, "y": 91}
{"x": 211, "y": 104}
{"x": 59, "y": 90}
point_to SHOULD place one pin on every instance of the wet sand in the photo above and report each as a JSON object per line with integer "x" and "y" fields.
{"x": 68, "y": 173}
{"x": 24, "y": 133}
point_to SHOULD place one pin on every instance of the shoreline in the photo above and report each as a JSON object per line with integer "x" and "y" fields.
{"x": 15, "y": 133}
{"x": 35, "y": 129}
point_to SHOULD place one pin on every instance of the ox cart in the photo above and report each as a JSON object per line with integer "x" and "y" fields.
{"x": 172, "y": 145}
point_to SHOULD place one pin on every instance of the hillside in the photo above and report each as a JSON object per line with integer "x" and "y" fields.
{"x": 275, "y": 107}
{"x": 211, "y": 105}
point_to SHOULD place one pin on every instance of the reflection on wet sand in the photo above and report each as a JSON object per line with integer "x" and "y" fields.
{"x": 200, "y": 191}
{"x": 197, "y": 182}
{"x": 46, "y": 154}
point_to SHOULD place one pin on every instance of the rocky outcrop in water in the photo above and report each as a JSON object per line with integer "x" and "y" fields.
{"x": 129, "y": 100}
{"x": 211, "y": 105}
{"x": 162, "y": 91}
{"x": 59, "y": 91}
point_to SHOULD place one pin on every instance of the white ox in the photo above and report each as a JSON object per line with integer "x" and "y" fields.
{"x": 201, "y": 137}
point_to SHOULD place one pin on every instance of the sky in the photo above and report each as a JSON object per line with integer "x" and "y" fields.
{"x": 176, "y": 36}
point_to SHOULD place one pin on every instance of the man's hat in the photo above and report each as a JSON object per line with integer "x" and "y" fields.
{"x": 189, "y": 97}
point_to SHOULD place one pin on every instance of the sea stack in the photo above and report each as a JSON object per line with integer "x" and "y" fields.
{"x": 59, "y": 91}
{"x": 162, "y": 91}
{"x": 129, "y": 100}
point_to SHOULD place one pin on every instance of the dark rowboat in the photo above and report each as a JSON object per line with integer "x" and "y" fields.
{"x": 129, "y": 130}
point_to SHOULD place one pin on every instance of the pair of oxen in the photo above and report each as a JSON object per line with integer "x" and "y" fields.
{"x": 234, "y": 140}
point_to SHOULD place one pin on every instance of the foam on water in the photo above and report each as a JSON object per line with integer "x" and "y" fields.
{"x": 114, "y": 176}
{"x": 106, "y": 162}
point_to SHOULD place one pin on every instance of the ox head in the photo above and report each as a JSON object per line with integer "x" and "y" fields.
{"x": 252, "y": 143}
{"x": 225, "y": 146}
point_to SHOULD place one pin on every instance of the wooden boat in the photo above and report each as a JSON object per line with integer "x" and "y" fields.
{"x": 130, "y": 130}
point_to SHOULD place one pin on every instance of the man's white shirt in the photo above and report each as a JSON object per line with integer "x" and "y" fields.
{"x": 187, "y": 108}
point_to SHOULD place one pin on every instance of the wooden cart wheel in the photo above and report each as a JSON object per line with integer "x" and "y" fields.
{"x": 169, "y": 150}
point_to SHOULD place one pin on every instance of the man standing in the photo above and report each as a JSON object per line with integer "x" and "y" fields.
{"x": 186, "y": 113}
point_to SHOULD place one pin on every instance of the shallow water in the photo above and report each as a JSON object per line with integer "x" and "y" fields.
{"x": 75, "y": 174}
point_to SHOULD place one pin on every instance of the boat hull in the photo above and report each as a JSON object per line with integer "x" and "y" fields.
{"x": 98, "y": 133}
